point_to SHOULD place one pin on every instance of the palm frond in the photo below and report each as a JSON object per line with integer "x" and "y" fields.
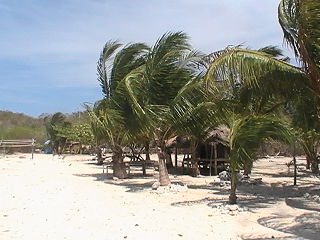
{"x": 108, "y": 50}
{"x": 253, "y": 68}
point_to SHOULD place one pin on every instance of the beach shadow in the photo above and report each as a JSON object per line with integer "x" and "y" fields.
{"x": 305, "y": 226}
{"x": 264, "y": 194}
{"x": 303, "y": 203}
{"x": 135, "y": 183}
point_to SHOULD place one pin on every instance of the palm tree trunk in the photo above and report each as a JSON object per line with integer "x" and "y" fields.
{"x": 147, "y": 150}
{"x": 233, "y": 196}
{"x": 163, "y": 172}
{"x": 99, "y": 155}
{"x": 194, "y": 163}
{"x": 119, "y": 169}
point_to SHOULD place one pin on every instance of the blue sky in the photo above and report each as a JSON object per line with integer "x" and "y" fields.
{"x": 49, "y": 49}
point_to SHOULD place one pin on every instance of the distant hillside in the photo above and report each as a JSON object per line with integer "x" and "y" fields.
{"x": 20, "y": 126}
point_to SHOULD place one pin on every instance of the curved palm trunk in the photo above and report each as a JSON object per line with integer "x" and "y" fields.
{"x": 234, "y": 181}
{"x": 163, "y": 172}
{"x": 119, "y": 169}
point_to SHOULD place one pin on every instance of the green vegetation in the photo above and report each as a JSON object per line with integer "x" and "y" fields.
{"x": 20, "y": 126}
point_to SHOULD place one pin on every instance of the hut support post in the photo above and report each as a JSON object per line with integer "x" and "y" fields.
{"x": 176, "y": 157}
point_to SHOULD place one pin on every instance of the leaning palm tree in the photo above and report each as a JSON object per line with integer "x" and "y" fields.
{"x": 153, "y": 87}
{"x": 107, "y": 125}
{"x": 248, "y": 101}
{"x": 113, "y": 120}
{"x": 247, "y": 133}
{"x": 300, "y": 23}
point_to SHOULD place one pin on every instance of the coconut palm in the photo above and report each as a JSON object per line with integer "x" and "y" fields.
{"x": 300, "y": 22}
{"x": 247, "y": 133}
{"x": 153, "y": 87}
{"x": 113, "y": 120}
{"x": 51, "y": 123}
{"x": 246, "y": 102}
{"x": 193, "y": 117}
{"x": 304, "y": 114}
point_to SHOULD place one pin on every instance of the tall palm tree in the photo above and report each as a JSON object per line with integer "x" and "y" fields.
{"x": 153, "y": 87}
{"x": 112, "y": 119}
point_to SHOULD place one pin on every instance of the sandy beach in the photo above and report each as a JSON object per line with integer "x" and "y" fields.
{"x": 52, "y": 197}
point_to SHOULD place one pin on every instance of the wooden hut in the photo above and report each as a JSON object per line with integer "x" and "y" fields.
{"x": 212, "y": 153}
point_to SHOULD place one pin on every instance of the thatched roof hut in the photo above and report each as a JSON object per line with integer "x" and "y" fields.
{"x": 177, "y": 142}
{"x": 220, "y": 135}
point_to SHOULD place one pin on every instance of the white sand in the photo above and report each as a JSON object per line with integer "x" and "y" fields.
{"x": 54, "y": 198}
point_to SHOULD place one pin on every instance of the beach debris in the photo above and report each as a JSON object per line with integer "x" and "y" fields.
{"x": 251, "y": 181}
{"x": 224, "y": 183}
{"x": 231, "y": 209}
{"x": 155, "y": 186}
{"x": 309, "y": 196}
{"x": 224, "y": 176}
{"x": 172, "y": 188}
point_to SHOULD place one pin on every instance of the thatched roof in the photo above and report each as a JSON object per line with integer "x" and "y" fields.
{"x": 178, "y": 141}
{"x": 219, "y": 134}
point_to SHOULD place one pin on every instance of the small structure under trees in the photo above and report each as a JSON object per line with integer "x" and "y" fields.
{"x": 212, "y": 153}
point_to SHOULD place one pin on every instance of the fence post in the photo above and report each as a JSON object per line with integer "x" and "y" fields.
{"x": 32, "y": 148}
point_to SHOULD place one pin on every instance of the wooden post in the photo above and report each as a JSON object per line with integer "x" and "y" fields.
{"x": 176, "y": 158}
{"x": 215, "y": 159}
{"x": 32, "y": 148}
{"x": 294, "y": 165}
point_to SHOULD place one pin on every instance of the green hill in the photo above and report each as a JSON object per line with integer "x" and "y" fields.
{"x": 21, "y": 126}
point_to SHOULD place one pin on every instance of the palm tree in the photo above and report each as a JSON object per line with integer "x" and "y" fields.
{"x": 51, "y": 123}
{"x": 153, "y": 87}
{"x": 247, "y": 133}
{"x": 193, "y": 116}
{"x": 300, "y": 22}
{"x": 305, "y": 120}
{"x": 112, "y": 119}
{"x": 246, "y": 101}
